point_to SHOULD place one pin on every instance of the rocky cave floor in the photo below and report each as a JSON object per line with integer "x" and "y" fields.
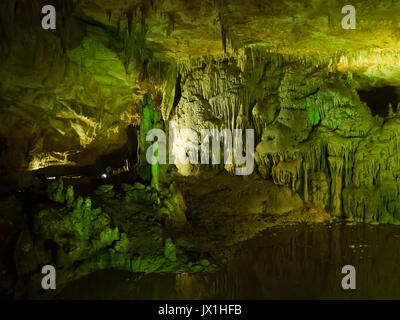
{"x": 80, "y": 228}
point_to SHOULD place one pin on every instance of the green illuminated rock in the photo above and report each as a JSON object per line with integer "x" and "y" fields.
{"x": 170, "y": 250}
{"x": 105, "y": 190}
{"x": 150, "y": 119}
{"x": 55, "y": 191}
{"x": 69, "y": 197}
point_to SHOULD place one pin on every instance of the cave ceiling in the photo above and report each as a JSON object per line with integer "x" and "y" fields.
{"x": 182, "y": 28}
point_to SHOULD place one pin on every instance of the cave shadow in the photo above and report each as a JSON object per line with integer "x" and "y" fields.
{"x": 378, "y": 99}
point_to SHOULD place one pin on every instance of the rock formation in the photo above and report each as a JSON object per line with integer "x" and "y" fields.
{"x": 77, "y": 102}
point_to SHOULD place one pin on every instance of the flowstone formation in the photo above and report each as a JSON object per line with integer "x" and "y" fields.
{"x": 313, "y": 133}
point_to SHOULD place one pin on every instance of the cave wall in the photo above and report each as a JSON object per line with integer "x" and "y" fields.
{"x": 313, "y": 133}
{"x": 67, "y": 96}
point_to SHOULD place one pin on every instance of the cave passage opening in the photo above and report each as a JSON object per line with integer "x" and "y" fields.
{"x": 379, "y": 98}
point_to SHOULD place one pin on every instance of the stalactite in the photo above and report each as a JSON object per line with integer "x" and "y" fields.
{"x": 223, "y": 36}
{"x": 287, "y": 173}
{"x": 144, "y": 11}
{"x": 171, "y": 20}
{"x": 129, "y": 16}
{"x": 336, "y": 165}
{"x": 109, "y": 15}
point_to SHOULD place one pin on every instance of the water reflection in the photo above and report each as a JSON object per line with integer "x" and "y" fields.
{"x": 296, "y": 262}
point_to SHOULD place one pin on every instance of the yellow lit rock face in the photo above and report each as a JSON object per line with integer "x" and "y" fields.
{"x": 381, "y": 66}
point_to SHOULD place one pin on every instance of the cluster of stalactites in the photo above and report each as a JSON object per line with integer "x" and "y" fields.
{"x": 362, "y": 173}
{"x": 337, "y": 162}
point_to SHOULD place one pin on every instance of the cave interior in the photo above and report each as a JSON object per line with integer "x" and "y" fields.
{"x": 77, "y": 191}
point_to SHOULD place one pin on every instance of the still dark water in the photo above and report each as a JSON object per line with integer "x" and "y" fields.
{"x": 296, "y": 262}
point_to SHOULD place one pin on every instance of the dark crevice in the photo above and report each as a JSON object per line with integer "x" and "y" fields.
{"x": 178, "y": 91}
{"x": 378, "y": 99}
